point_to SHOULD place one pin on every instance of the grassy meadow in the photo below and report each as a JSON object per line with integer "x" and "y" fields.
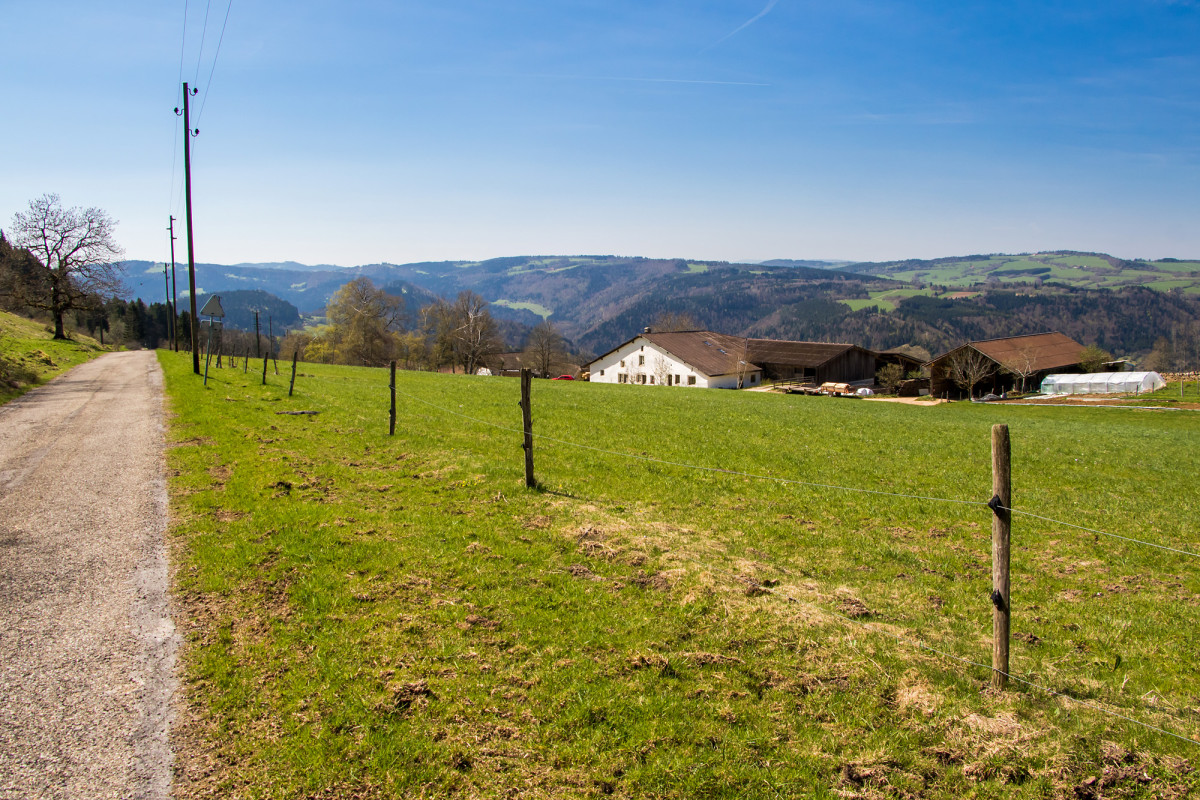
{"x": 30, "y": 356}
{"x": 1084, "y": 272}
{"x": 375, "y": 616}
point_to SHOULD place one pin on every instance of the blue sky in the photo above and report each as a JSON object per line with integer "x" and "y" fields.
{"x": 363, "y": 131}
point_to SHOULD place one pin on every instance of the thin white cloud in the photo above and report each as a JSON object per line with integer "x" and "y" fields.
{"x": 746, "y": 24}
{"x": 679, "y": 80}
{"x": 570, "y": 77}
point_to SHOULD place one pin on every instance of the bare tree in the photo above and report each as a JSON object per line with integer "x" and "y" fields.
{"x": 74, "y": 256}
{"x": 545, "y": 349}
{"x": 661, "y": 369}
{"x": 466, "y": 331}
{"x": 1022, "y": 364}
{"x": 968, "y": 367}
{"x": 669, "y": 321}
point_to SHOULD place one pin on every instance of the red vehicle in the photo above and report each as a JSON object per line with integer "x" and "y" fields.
{"x": 563, "y": 378}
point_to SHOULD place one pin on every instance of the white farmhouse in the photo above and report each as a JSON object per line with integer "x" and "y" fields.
{"x": 684, "y": 358}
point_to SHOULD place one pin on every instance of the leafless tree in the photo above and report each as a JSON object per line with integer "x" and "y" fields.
{"x": 1022, "y": 364}
{"x": 75, "y": 257}
{"x": 662, "y": 369}
{"x": 466, "y": 331}
{"x": 968, "y": 367}
{"x": 545, "y": 350}
{"x": 669, "y": 321}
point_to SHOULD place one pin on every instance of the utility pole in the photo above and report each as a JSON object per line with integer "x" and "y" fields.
{"x": 187, "y": 182}
{"x": 174, "y": 289}
{"x": 170, "y": 310}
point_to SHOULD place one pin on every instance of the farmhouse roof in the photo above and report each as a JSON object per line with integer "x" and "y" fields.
{"x": 797, "y": 354}
{"x": 709, "y": 352}
{"x": 1044, "y": 350}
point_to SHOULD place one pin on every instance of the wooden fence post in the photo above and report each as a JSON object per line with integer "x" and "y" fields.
{"x": 245, "y": 360}
{"x": 1000, "y": 503}
{"x": 527, "y": 420}
{"x": 392, "y": 413}
{"x": 292, "y": 385}
{"x": 266, "y": 358}
{"x": 208, "y": 355}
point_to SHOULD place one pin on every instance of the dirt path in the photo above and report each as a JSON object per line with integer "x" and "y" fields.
{"x": 87, "y": 647}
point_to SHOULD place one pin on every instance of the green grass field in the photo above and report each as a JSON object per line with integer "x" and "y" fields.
{"x": 536, "y": 308}
{"x": 375, "y": 616}
{"x": 1090, "y": 272}
{"x": 30, "y": 356}
{"x": 891, "y": 298}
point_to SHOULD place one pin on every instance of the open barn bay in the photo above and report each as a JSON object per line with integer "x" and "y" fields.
{"x": 375, "y": 616}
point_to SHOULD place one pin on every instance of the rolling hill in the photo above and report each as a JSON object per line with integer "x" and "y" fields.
{"x": 599, "y": 301}
{"x": 1063, "y": 268}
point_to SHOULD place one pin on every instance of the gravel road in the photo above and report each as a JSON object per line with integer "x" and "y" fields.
{"x": 87, "y": 646}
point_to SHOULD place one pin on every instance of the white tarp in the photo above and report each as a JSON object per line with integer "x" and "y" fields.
{"x": 1103, "y": 383}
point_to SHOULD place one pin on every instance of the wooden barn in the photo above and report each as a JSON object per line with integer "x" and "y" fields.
{"x": 1004, "y": 364}
{"x": 812, "y": 362}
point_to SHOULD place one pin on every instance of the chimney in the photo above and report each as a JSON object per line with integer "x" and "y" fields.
{"x": 647, "y": 329}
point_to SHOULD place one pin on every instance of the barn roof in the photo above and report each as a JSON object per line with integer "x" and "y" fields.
{"x": 1044, "y": 350}
{"x": 708, "y": 352}
{"x": 796, "y": 354}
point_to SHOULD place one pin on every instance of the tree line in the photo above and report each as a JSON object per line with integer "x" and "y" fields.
{"x": 367, "y": 326}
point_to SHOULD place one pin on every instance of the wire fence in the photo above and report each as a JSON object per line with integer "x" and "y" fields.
{"x": 907, "y": 640}
{"x": 903, "y": 639}
{"x": 790, "y": 481}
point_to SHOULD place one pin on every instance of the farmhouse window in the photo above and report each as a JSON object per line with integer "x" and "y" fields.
{"x": 676, "y": 380}
{"x": 622, "y": 363}
{"x": 651, "y": 380}
{"x": 641, "y": 361}
{"x": 691, "y": 380}
{"x": 602, "y": 373}
{"x": 642, "y": 379}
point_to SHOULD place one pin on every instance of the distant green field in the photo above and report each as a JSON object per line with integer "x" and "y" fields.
{"x": 524, "y": 305}
{"x": 375, "y": 616}
{"x": 1094, "y": 262}
{"x": 858, "y": 304}
{"x": 889, "y": 298}
{"x": 697, "y": 268}
{"x": 1071, "y": 270}
{"x": 1181, "y": 266}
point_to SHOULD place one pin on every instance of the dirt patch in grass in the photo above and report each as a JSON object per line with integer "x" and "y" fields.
{"x": 853, "y": 608}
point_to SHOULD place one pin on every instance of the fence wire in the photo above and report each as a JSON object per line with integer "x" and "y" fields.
{"x": 791, "y": 481}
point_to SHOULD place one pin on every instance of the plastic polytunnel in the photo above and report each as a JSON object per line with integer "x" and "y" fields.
{"x": 1103, "y": 383}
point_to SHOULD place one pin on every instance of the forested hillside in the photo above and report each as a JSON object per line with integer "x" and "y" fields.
{"x": 1125, "y": 307}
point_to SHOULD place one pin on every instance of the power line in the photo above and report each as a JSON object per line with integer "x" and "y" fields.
{"x": 217, "y": 55}
{"x": 175, "y": 136}
{"x": 183, "y": 41}
{"x": 203, "y": 35}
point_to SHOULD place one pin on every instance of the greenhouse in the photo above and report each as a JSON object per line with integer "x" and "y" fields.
{"x": 1103, "y": 383}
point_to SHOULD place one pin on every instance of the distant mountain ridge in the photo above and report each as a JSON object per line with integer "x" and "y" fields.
{"x": 599, "y": 301}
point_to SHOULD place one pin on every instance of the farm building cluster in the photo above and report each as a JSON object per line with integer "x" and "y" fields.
{"x": 706, "y": 359}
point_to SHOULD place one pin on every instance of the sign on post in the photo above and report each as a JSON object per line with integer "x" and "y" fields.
{"x": 213, "y": 307}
